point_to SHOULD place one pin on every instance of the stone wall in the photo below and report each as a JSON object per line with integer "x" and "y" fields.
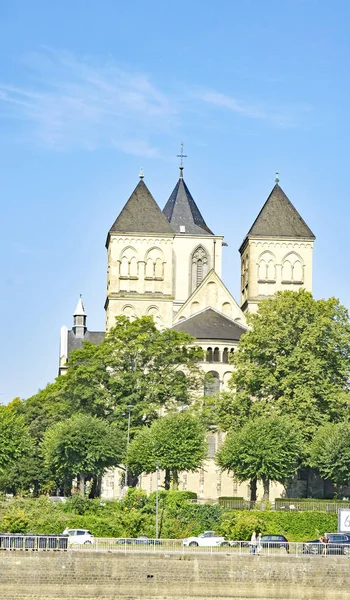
{"x": 93, "y": 575}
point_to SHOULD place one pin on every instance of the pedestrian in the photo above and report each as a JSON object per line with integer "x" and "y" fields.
{"x": 253, "y": 543}
{"x": 259, "y": 546}
{"x": 324, "y": 539}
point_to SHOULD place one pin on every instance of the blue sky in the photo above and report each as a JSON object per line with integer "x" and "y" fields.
{"x": 91, "y": 91}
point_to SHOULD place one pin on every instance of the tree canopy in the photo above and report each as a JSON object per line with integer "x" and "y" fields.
{"x": 82, "y": 446}
{"x": 295, "y": 360}
{"x": 136, "y": 365}
{"x": 330, "y": 452}
{"x": 175, "y": 443}
{"x": 265, "y": 448}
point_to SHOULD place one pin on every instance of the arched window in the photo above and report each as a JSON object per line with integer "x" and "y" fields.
{"x": 292, "y": 268}
{"x": 225, "y": 356}
{"x": 216, "y": 356}
{"x": 209, "y": 355}
{"x": 211, "y": 383}
{"x": 266, "y": 267}
{"x": 199, "y": 267}
{"x": 128, "y": 263}
{"x": 154, "y": 264}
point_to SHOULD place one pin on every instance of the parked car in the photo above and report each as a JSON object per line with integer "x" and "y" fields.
{"x": 141, "y": 539}
{"x": 79, "y": 536}
{"x": 274, "y": 541}
{"x": 208, "y": 538}
{"x": 339, "y": 543}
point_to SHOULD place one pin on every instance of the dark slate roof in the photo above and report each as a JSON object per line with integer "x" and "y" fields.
{"x": 75, "y": 343}
{"x": 141, "y": 214}
{"x": 279, "y": 218}
{"x": 181, "y": 209}
{"x": 211, "y": 325}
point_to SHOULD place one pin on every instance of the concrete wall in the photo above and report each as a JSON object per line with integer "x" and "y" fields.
{"x": 91, "y": 575}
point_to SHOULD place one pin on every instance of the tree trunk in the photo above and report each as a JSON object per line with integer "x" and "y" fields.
{"x": 175, "y": 479}
{"x": 81, "y": 484}
{"x": 167, "y": 479}
{"x": 253, "y": 483}
{"x": 266, "y": 484}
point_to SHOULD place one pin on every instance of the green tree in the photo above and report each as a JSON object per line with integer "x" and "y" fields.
{"x": 295, "y": 360}
{"x": 266, "y": 449}
{"x": 83, "y": 447}
{"x": 135, "y": 365}
{"x": 175, "y": 443}
{"x": 14, "y": 436}
{"x": 330, "y": 453}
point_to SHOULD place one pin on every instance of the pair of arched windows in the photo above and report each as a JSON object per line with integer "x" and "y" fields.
{"x": 292, "y": 268}
{"x": 130, "y": 264}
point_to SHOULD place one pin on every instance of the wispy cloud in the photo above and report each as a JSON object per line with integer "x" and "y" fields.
{"x": 285, "y": 117}
{"x": 69, "y": 102}
{"x": 224, "y": 101}
{"x": 84, "y": 104}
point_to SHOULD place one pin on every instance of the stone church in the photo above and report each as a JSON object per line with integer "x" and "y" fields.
{"x": 167, "y": 264}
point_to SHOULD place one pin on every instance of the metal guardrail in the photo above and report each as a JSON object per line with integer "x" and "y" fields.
{"x": 20, "y": 542}
{"x": 291, "y": 549}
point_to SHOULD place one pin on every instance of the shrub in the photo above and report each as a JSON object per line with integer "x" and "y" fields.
{"x": 15, "y": 521}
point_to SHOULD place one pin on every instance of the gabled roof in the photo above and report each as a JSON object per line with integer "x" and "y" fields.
{"x": 279, "y": 218}
{"x": 198, "y": 295}
{"x": 141, "y": 214}
{"x": 182, "y": 211}
{"x": 210, "y": 324}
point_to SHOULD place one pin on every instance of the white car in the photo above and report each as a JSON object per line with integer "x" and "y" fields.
{"x": 79, "y": 536}
{"x": 208, "y": 538}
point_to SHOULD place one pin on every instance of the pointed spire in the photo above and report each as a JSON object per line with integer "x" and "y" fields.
{"x": 183, "y": 213}
{"x": 141, "y": 214}
{"x": 79, "y": 311}
{"x": 279, "y": 218}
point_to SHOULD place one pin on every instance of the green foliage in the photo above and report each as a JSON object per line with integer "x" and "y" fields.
{"x": 80, "y": 445}
{"x": 14, "y": 436}
{"x": 15, "y": 521}
{"x": 266, "y": 448}
{"x": 177, "y": 519}
{"x": 295, "y": 526}
{"x": 137, "y": 365}
{"x": 293, "y": 361}
{"x": 175, "y": 442}
{"x": 330, "y": 452}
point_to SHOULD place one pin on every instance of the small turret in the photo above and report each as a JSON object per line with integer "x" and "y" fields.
{"x": 79, "y": 315}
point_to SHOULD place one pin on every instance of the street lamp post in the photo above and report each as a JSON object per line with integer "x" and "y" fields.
{"x": 129, "y": 407}
{"x": 157, "y": 473}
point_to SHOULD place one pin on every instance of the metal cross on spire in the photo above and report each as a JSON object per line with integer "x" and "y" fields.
{"x": 181, "y": 156}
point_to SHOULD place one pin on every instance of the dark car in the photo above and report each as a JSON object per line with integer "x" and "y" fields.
{"x": 274, "y": 541}
{"x": 141, "y": 539}
{"x": 339, "y": 543}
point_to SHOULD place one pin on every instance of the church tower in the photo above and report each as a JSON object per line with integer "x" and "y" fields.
{"x": 197, "y": 250}
{"x": 276, "y": 254}
{"x": 140, "y": 261}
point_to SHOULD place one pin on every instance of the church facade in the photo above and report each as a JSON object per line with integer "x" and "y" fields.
{"x": 167, "y": 264}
